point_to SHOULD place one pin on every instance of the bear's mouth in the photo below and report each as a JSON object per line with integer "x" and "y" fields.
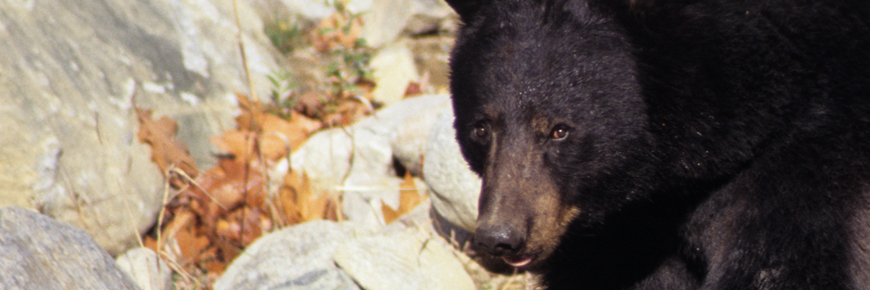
{"x": 518, "y": 262}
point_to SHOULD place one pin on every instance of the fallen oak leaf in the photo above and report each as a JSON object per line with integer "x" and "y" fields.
{"x": 279, "y": 135}
{"x": 293, "y": 191}
{"x": 349, "y": 110}
{"x": 228, "y": 251}
{"x": 298, "y": 204}
{"x": 252, "y": 113}
{"x": 311, "y": 103}
{"x": 183, "y": 219}
{"x": 236, "y": 143}
{"x": 166, "y": 150}
{"x": 226, "y": 187}
{"x": 191, "y": 244}
{"x": 338, "y": 29}
{"x": 409, "y": 197}
{"x": 418, "y": 87}
{"x": 213, "y": 263}
{"x": 315, "y": 209}
{"x": 390, "y": 214}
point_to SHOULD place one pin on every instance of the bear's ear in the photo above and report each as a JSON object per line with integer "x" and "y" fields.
{"x": 466, "y": 8}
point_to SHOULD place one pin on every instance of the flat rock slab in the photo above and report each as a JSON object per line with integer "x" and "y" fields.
{"x": 408, "y": 259}
{"x": 37, "y": 252}
{"x": 455, "y": 187}
{"x": 146, "y": 268}
{"x": 70, "y": 73}
{"x": 298, "y": 258}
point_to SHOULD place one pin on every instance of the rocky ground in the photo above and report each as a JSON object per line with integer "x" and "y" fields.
{"x": 79, "y": 191}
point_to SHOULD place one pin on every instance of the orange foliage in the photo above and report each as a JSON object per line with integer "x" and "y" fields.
{"x": 409, "y": 198}
{"x": 218, "y": 212}
{"x": 225, "y": 208}
{"x": 166, "y": 151}
{"x": 338, "y": 29}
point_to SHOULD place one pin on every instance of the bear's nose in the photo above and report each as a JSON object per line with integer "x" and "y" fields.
{"x": 499, "y": 240}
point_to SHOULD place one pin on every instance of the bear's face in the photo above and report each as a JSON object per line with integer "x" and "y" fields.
{"x": 549, "y": 113}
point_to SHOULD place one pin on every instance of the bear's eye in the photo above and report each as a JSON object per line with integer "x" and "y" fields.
{"x": 560, "y": 132}
{"x": 480, "y": 131}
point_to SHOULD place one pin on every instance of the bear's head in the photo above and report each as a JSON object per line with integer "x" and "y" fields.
{"x": 550, "y": 114}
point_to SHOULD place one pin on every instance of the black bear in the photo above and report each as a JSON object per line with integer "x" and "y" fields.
{"x": 669, "y": 144}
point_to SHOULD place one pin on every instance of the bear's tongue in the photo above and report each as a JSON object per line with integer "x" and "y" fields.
{"x": 518, "y": 262}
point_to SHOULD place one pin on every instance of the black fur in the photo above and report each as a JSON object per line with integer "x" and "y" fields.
{"x": 682, "y": 144}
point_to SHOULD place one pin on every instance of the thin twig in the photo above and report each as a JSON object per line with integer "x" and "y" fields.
{"x": 244, "y": 56}
{"x": 509, "y": 281}
{"x": 163, "y": 207}
{"x": 181, "y": 173}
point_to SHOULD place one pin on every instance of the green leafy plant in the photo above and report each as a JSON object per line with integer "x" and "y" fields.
{"x": 350, "y": 67}
{"x": 281, "y": 93}
{"x": 343, "y": 92}
{"x": 285, "y": 34}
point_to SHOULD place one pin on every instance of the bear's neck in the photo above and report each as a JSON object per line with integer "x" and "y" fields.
{"x": 721, "y": 90}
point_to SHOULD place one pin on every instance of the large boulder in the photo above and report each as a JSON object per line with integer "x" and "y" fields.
{"x": 41, "y": 253}
{"x": 360, "y": 160}
{"x": 299, "y": 257}
{"x": 70, "y": 73}
{"x": 455, "y": 187}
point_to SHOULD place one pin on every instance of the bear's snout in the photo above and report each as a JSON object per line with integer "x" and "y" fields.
{"x": 499, "y": 239}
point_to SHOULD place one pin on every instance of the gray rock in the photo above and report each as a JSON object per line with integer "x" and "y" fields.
{"x": 325, "y": 158}
{"x": 146, "y": 269}
{"x": 40, "y": 253}
{"x": 387, "y": 120}
{"x": 307, "y": 10}
{"x": 358, "y": 160}
{"x": 69, "y": 72}
{"x": 430, "y": 16}
{"x": 455, "y": 187}
{"x": 417, "y": 218}
{"x": 432, "y": 56}
{"x": 408, "y": 259}
{"x": 412, "y": 134}
{"x": 299, "y": 258}
{"x": 386, "y": 20}
{"x": 355, "y": 161}
{"x": 394, "y": 69}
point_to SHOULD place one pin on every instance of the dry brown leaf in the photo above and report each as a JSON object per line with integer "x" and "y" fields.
{"x": 418, "y": 87}
{"x": 279, "y": 134}
{"x": 275, "y": 134}
{"x": 226, "y": 208}
{"x": 253, "y": 226}
{"x": 298, "y": 204}
{"x": 183, "y": 219}
{"x": 293, "y": 189}
{"x": 231, "y": 230}
{"x": 337, "y": 29}
{"x": 229, "y": 251}
{"x": 409, "y": 197}
{"x": 390, "y": 214}
{"x": 212, "y": 262}
{"x": 191, "y": 244}
{"x": 151, "y": 243}
{"x": 315, "y": 209}
{"x": 348, "y": 111}
{"x": 226, "y": 187}
{"x": 251, "y": 115}
{"x": 237, "y": 143}
{"x": 311, "y": 103}
{"x": 166, "y": 150}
